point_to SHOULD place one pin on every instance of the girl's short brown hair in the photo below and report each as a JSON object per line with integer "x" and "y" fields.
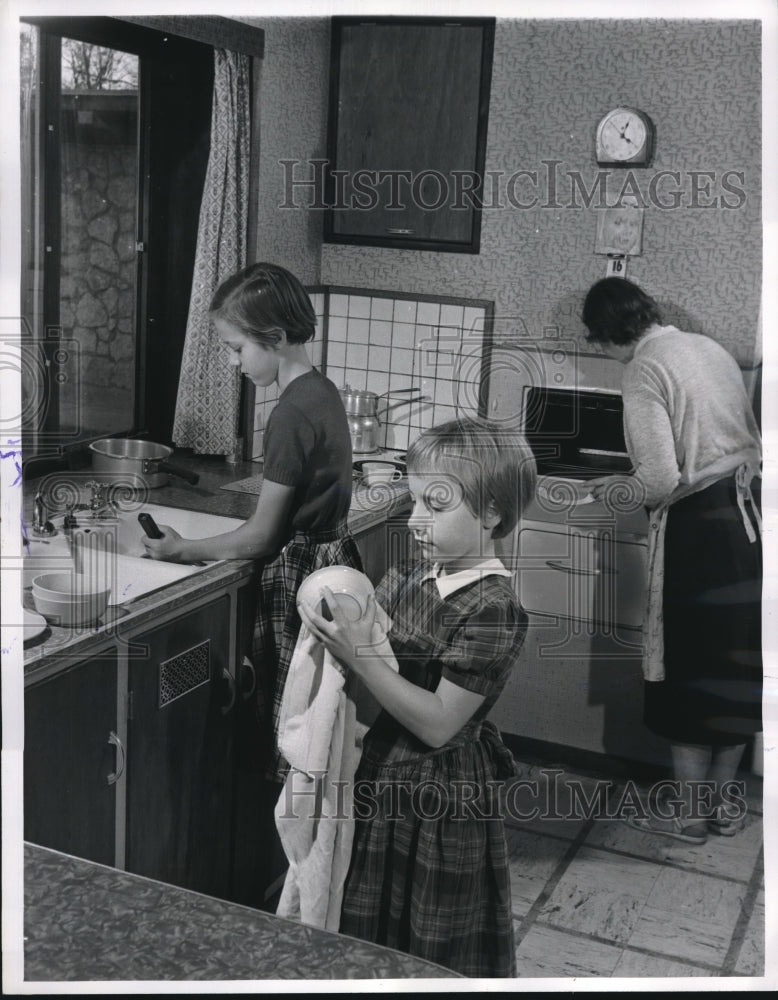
{"x": 494, "y": 466}
{"x": 262, "y": 299}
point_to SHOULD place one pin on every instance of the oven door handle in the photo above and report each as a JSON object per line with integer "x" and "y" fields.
{"x": 577, "y": 570}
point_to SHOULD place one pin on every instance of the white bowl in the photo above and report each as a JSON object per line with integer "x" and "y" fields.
{"x": 61, "y": 585}
{"x": 69, "y": 599}
{"x": 350, "y": 588}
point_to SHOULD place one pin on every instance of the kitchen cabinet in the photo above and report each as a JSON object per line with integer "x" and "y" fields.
{"x": 408, "y": 118}
{"x": 258, "y": 861}
{"x": 573, "y": 686}
{"x": 384, "y": 545}
{"x": 129, "y": 755}
{"x": 71, "y": 775}
{"x": 578, "y": 682}
{"x": 582, "y": 574}
{"x": 179, "y": 766}
{"x": 162, "y": 700}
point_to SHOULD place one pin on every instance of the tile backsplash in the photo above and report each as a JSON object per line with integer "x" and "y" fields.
{"x": 397, "y": 346}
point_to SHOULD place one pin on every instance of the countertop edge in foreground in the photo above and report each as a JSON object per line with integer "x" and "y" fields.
{"x": 89, "y": 922}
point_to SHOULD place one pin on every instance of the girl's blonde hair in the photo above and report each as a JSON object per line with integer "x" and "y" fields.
{"x": 494, "y": 466}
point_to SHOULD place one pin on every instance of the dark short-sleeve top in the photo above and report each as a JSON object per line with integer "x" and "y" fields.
{"x": 308, "y": 446}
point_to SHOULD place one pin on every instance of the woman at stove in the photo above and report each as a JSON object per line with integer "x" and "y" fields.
{"x": 696, "y": 454}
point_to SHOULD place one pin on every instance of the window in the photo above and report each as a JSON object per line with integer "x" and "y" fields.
{"x": 82, "y": 256}
{"x": 115, "y": 139}
{"x": 80, "y": 110}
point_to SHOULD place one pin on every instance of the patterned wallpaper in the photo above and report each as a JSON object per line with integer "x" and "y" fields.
{"x": 292, "y": 93}
{"x": 700, "y": 83}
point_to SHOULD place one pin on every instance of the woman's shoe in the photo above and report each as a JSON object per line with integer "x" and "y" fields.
{"x": 692, "y": 833}
{"x": 724, "y": 825}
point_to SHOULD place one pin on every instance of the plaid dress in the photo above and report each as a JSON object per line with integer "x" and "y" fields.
{"x": 277, "y": 625}
{"x": 429, "y": 867}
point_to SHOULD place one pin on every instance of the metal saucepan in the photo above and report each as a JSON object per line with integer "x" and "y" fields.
{"x": 359, "y": 402}
{"x": 363, "y": 403}
{"x": 363, "y": 424}
{"x": 142, "y": 461}
{"x": 364, "y": 432}
{"x": 362, "y": 411}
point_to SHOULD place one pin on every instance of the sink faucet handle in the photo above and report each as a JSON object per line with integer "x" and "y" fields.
{"x": 98, "y": 493}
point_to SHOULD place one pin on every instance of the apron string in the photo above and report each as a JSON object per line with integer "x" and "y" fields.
{"x": 743, "y": 484}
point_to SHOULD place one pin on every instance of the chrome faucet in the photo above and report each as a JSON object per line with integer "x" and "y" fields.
{"x": 40, "y": 522}
{"x": 98, "y": 505}
{"x": 97, "y": 502}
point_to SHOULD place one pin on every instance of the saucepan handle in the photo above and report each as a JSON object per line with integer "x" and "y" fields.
{"x": 177, "y": 470}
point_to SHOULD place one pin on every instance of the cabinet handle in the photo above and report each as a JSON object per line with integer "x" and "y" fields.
{"x": 401, "y": 232}
{"x": 576, "y": 570}
{"x": 231, "y": 688}
{"x": 114, "y": 740}
{"x": 248, "y": 665}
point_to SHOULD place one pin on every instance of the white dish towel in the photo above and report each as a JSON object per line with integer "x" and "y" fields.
{"x": 321, "y": 738}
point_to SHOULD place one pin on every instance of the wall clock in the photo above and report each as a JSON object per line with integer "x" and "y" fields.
{"x": 625, "y": 137}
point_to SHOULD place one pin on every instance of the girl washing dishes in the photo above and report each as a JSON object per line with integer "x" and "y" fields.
{"x": 265, "y": 317}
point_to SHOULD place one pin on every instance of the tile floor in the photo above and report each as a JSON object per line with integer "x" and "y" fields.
{"x": 592, "y": 897}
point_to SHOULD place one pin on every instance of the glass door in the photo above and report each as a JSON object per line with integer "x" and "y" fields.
{"x": 80, "y": 205}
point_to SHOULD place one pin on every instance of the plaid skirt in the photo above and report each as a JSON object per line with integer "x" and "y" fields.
{"x": 429, "y": 865}
{"x": 277, "y": 627}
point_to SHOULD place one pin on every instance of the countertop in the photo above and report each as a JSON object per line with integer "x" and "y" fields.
{"x": 85, "y": 921}
{"x": 369, "y": 507}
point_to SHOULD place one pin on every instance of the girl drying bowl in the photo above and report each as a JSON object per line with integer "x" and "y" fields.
{"x": 429, "y": 865}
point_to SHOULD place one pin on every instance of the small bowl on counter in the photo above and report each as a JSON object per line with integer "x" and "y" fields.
{"x": 69, "y": 598}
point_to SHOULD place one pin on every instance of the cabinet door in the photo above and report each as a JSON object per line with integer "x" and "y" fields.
{"x": 72, "y": 760}
{"x": 586, "y": 575}
{"x": 386, "y": 544}
{"x": 258, "y": 860}
{"x": 408, "y": 116}
{"x": 179, "y": 767}
{"x": 576, "y": 688}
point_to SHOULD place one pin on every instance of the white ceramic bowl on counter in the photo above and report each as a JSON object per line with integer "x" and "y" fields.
{"x": 350, "y": 588}
{"x": 69, "y": 598}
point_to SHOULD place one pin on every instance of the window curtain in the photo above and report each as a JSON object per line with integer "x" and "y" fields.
{"x": 208, "y": 402}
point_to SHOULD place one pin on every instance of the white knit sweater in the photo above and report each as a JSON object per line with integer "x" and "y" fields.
{"x": 687, "y": 417}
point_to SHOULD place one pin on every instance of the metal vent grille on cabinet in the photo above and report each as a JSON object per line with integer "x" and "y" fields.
{"x": 183, "y": 673}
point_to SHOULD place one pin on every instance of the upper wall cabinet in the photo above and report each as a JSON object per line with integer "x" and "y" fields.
{"x": 409, "y": 106}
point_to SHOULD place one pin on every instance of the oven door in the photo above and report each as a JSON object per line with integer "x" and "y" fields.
{"x": 575, "y": 433}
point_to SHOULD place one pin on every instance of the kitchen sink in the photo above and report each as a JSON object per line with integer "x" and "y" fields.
{"x": 111, "y": 550}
